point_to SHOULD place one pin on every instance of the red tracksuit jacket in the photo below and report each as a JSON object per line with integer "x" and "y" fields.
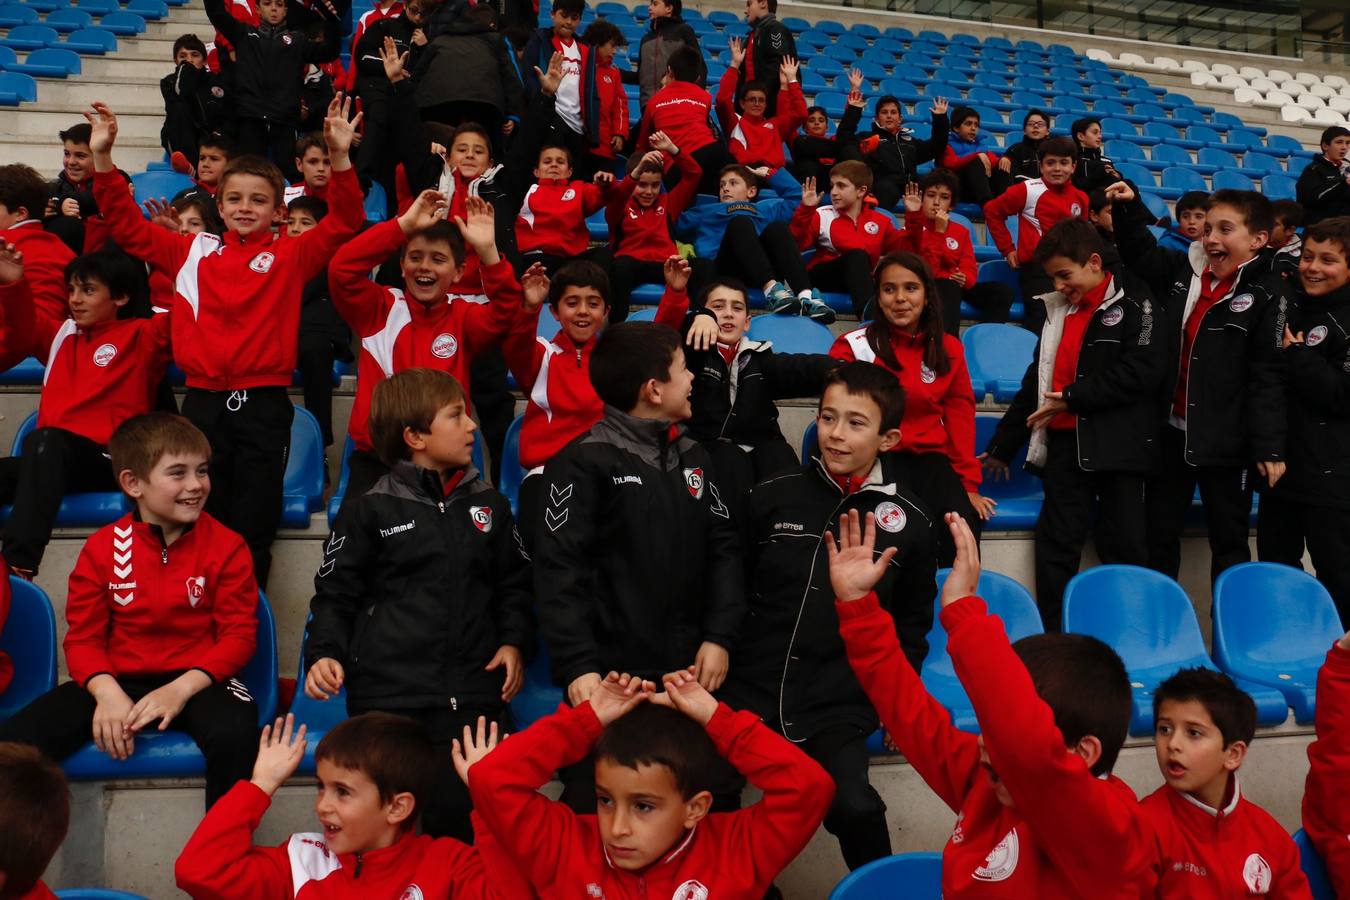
{"x": 237, "y": 300}
{"x": 680, "y": 109}
{"x": 44, "y": 265}
{"x": 755, "y": 140}
{"x": 397, "y": 333}
{"x": 833, "y": 234}
{"x": 939, "y": 409}
{"x": 553, "y": 216}
{"x": 643, "y": 232}
{"x": 728, "y": 855}
{"x": 555, "y": 377}
{"x": 1071, "y": 835}
{"x": 1038, "y": 206}
{"x": 1326, "y": 794}
{"x": 613, "y": 108}
{"x": 946, "y": 253}
{"x": 137, "y": 607}
{"x": 1237, "y": 851}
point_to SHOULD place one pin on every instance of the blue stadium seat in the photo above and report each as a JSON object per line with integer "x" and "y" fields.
{"x": 539, "y": 697}
{"x": 97, "y": 7}
{"x": 855, "y": 42}
{"x": 914, "y": 876}
{"x": 28, "y": 637}
{"x": 30, "y": 37}
{"x": 791, "y": 334}
{"x": 1313, "y": 867}
{"x": 1020, "y": 495}
{"x": 1143, "y": 178}
{"x": 1148, "y": 619}
{"x": 159, "y": 185}
{"x": 68, "y": 19}
{"x": 165, "y": 754}
{"x": 997, "y": 356}
{"x": 1262, "y": 164}
{"x": 13, "y": 15}
{"x": 1183, "y": 180}
{"x": 49, "y": 62}
{"x": 863, "y": 29}
{"x": 77, "y": 510}
{"x": 29, "y": 371}
{"x": 1165, "y": 132}
{"x": 1277, "y": 144}
{"x": 646, "y": 314}
{"x": 1279, "y": 187}
{"x": 318, "y": 716}
{"x": 998, "y": 270}
{"x": 721, "y": 18}
{"x": 376, "y": 205}
{"x": 1156, "y": 206}
{"x": 150, "y": 10}
{"x": 123, "y": 22}
{"x": 1228, "y": 178}
{"x": 512, "y": 475}
{"x": 344, "y": 474}
{"x": 1216, "y": 158}
{"x": 798, "y": 25}
{"x": 611, "y": 10}
{"x": 1272, "y": 626}
{"x": 90, "y": 40}
{"x": 1206, "y": 135}
{"x": 97, "y": 894}
{"x": 302, "y": 492}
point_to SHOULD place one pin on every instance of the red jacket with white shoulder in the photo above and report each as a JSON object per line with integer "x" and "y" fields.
{"x": 644, "y": 232}
{"x": 553, "y": 216}
{"x": 1326, "y": 812}
{"x": 945, "y": 252}
{"x": 1038, "y": 206}
{"x": 755, "y": 140}
{"x": 44, "y": 265}
{"x": 833, "y": 234}
{"x": 613, "y": 108}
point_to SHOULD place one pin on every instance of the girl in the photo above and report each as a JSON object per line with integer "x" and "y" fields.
{"x": 1022, "y": 159}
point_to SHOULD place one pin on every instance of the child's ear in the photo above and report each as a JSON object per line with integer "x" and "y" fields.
{"x": 130, "y": 484}
{"x": 1089, "y": 747}
{"x": 400, "y": 809}
{"x": 889, "y": 439}
{"x": 752, "y": 191}
{"x": 414, "y": 439}
{"x": 1234, "y": 754}
{"x": 121, "y": 301}
{"x": 696, "y": 807}
{"x": 1260, "y": 239}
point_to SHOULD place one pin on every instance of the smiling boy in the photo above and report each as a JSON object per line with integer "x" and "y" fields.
{"x": 1324, "y": 186}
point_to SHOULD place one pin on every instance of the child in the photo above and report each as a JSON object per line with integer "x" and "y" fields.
{"x": 378, "y": 154}
{"x": 197, "y": 213}
{"x": 237, "y": 314}
{"x": 214, "y": 152}
{"x": 1094, "y": 170}
{"x": 195, "y": 102}
{"x": 766, "y": 47}
{"x": 756, "y": 139}
{"x": 372, "y": 584}
{"x": 1190, "y": 224}
{"x": 381, "y": 10}
{"x": 683, "y": 110}
{"x": 936, "y": 450}
{"x": 1038, "y": 204}
{"x": 1089, "y": 404}
{"x": 647, "y": 830}
{"x": 324, "y": 337}
{"x": 315, "y": 167}
{"x": 553, "y": 374}
{"x": 100, "y": 371}
{"x": 943, "y": 244}
{"x": 609, "y": 596}
{"x": 551, "y": 227}
{"x": 425, "y": 324}
{"x": 893, "y": 153}
{"x": 1284, "y": 237}
{"x": 1324, "y": 808}
{"x": 795, "y": 672}
{"x": 1022, "y": 160}
{"x": 1225, "y": 309}
{"x": 968, "y": 155}
{"x": 72, "y": 199}
{"x": 575, "y": 119}
{"x": 1324, "y": 185}
{"x": 816, "y": 150}
{"x": 34, "y": 815}
{"x": 1204, "y": 725}
{"x": 23, "y": 197}
{"x": 1039, "y": 813}
{"x": 605, "y": 40}
{"x": 666, "y": 33}
{"x": 140, "y": 647}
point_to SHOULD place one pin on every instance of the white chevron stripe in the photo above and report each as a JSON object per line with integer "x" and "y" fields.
{"x": 122, "y": 572}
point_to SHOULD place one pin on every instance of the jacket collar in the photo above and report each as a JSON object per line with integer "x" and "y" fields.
{"x": 677, "y": 851}
{"x": 875, "y": 481}
{"x": 1114, "y": 293}
{"x": 377, "y": 865}
{"x": 1200, "y": 262}
{"x": 1192, "y": 809}
{"x": 426, "y": 483}
{"x": 260, "y": 238}
{"x": 651, "y": 440}
{"x": 154, "y": 532}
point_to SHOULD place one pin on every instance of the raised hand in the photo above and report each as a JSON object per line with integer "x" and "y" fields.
{"x": 280, "y": 750}
{"x": 509, "y": 658}
{"x": 479, "y": 227}
{"x": 788, "y": 69}
{"x": 810, "y": 196}
{"x": 11, "y": 263}
{"x": 702, "y": 334}
{"x": 324, "y": 679}
{"x": 940, "y": 106}
{"x": 426, "y": 210}
{"x": 855, "y": 98}
{"x": 995, "y": 469}
{"x": 855, "y": 80}
{"x": 549, "y": 81}
{"x": 676, "y": 271}
{"x": 338, "y": 132}
{"x": 616, "y": 696}
{"x": 684, "y": 693}
{"x": 854, "y": 568}
{"x": 737, "y": 48}
{"x": 964, "y": 578}
{"x": 163, "y": 214}
{"x": 652, "y": 158}
{"x": 603, "y": 177}
{"x": 534, "y": 284}
{"x": 1120, "y": 192}
{"x": 474, "y": 747}
{"x": 913, "y": 199}
{"x": 103, "y": 125}
{"x": 395, "y": 63}
{"x": 661, "y": 141}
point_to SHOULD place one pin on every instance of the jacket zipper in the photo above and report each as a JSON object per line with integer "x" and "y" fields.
{"x": 454, "y": 701}
{"x": 357, "y": 873}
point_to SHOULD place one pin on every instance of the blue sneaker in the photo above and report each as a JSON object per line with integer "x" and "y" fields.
{"x": 816, "y": 309}
{"x": 780, "y": 300}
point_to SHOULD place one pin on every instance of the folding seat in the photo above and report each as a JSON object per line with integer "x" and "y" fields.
{"x": 1261, "y": 164}
{"x": 28, "y": 637}
{"x": 1231, "y": 179}
{"x": 16, "y": 88}
{"x": 90, "y": 40}
{"x": 66, "y": 20}
{"x": 865, "y": 29}
{"x": 1166, "y": 155}
{"x": 13, "y": 15}
{"x": 49, "y": 62}
{"x": 1310, "y": 102}
{"x": 1322, "y": 90}
{"x": 1246, "y": 96}
{"x": 1215, "y": 159}
{"x": 1183, "y": 180}
{"x": 1307, "y": 78}
{"x": 997, "y": 354}
{"x": 1264, "y": 85}
{"x": 827, "y": 26}
{"x": 1295, "y": 115}
{"x": 1275, "y": 100}
{"x": 30, "y": 37}
{"x": 1336, "y": 81}
{"x": 1223, "y": 69}
{"x": 899, "y": 33}
{"x": 1250, "y": 72}
{"x": 915, "y": 875}
{"x": 792, "y": 334}
{"x": 1314, "y": 869}
{"x": 854, "y": 42}
{"x": 1230, "y": 81}
{"x": 123, "y": 22}
{"x": 1327, "y": 116}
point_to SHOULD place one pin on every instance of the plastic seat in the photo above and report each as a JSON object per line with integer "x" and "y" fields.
{"x": 123, "y": 22}
{"x": 77, "y": 510}
{"x": 68, "y": 19}
{"x": 512, "y": 475}
{"x": 1272, "y": 626}
{"x": 1279, "y": 187}
{"x": 376, "y": 206}
{"x": 1167, "y": 155}
{"x": 150, "y": 10}
{"x": 49, "y": 62}
{"x": 1156, "y": 206}
{"x": 1313, "y": 868}
{"x": 30, "y": 37}
{"x": 1215, "y": 159}
{"x": 791, "y": 334}
{"x": 914, "y": 876}
{"x": 97, "y": 894}
{"x": 90, "y": 40}
{"x": 159, "y": 184}
{"x": 28, "y": 637}
{"x": 318, "y": 716}
{"x": 997, "y": 356}
{"x": 1148, "y": 619}
{"x": 13, "y": 15}
{"x": 1228, "y": 178}
{"x": 1259, "y": 162}
{"x": 97, "y": 7}
{"x": 1183, "y": 180}
{"x": 302, "y": 490}
{"x": 1019, "y": 496}
{"x": 344, "y": 474}
{"x": 166, "y": 754}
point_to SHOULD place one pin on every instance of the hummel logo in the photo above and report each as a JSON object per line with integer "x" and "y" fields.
{"x": 553, "y": 520}
{"x": 559, "y": 497}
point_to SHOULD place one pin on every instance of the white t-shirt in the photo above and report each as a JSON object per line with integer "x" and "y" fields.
{"x": 567, "y": 102}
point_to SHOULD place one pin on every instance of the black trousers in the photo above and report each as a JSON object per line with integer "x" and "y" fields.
{"x": 857, "y": 817}
{"x": 931, "y": 478}
{"x": 531, "y": 497}
{"x": 601, "y": 256}
{"x": 69, "y": 229}
{"x": 627, "y": 273}
{"x": 55, "y": 462}
{"x": 222, "y": 720}
{"x": 850, "y": 273}
{"x": 377, "y": 156}
{"x": 710, "y": 158}
{"x": 758, "y": 258}
{"x": 250, "y": 435}
{"x": 1073, "y": 499}
{"x": 1284, "y": 527}
{"x": 493, "y": 406}
{"x": 1225, "y": 491}
{"x": 1034, "y": 282}
{"x": 274, "y": 140}
{"x": 314, "y": 359}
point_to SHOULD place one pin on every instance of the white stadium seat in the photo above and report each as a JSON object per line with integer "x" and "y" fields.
{"x": 1132, "y": 61}
{"x": 1340, "y": 104}
{"x": 1336, "y": 81}
{"x": 1322, "y": 90}
{"x": 1279, "y": 75}
{"x": 1204, "y": 79}
{"x": 1308, "y": 101}
{"x": 1307, "y": 78}
{"x": 1250, "y": 72}
{"x": 1276, "y": 100}
{"x": 1295, "y": 114}
{"x": 1246, "y": 96}
{"x": 1166, "y": 64}
{"x": 1290, "y": 86}
{"x": 1194, "y": 65}
{"x": 1100, "y": 55}
{"x": 1223, "y": 69}
{"x": 1326, "y": 116}
{"x": 1233, "y": 81}
{"x": 1264, "y": 85}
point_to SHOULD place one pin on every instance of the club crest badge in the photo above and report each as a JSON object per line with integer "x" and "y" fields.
{"x": 871, "y": 228}
{"x": 482, "y": 518}
{"x": 1315, "y": 337}
{"x": 1241, "y": 303}
{"x": 890, "y": 517}
{"x": 1113, "y": 316}
{"x": 196, "y": 590}
{"x": 262, "y": 263}
{"x": 693, "y": 480}
{"x": 953, "y": 243}
{"x": 569, "y": 194}
{"x": 927, "y": 375}
{"x": 1256, "y": 873}
{"x": 106, "y": 352}
{"x": 444, "y": 346}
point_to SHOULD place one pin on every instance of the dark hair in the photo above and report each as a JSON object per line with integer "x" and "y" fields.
{"x": 1288, "y": 213}
{"x": 392, "y": 751}
{"x": 676, "y": 7}
{"x": 876, "y": 383}
{"x": 750, "y": 178}
{"x": 602, "y": 31}
{"x": 1085, "y": 684}
{"x": 1057, "y": 145}
{"x": 572, "y": 7}
{"x": 220, "y": 142}
{"x": 811, "y": 110}
{"x": 555, "y": 145}
{"x": 773, "y": 5}
{"x": 77, "y": 134}
{"x": 753, "y": 84}
{"x": 1075, "y": 239}
{"x": 961, "y": 114}
{"x": 468, "y": 128}
{"x": 34, "y": 812}
{"x": 206, "y": 208}
{"x": 142, "y": 441}
{"x": 721, "y": 281}
{"x": 627, "y": 356}
{"x": 1335, "y": 230}
{"x": 1192, "y": 200}
{"x": 306, "y": 141}
{"x": 890, "y": 98}
{"x": 308, "y": 203}
{"x": 944, "y": 177}
{"x": 1255, "y": 208}
{"x": 651, "y": 735}
{"x": 112, "y": 268}
{"x": 1334, "y": 132}
{"x": 1081, "y": 125}
{"x": 1098, "y": 201}
{"x": 1037, "y": 112}
{"x": 22, "y": 187}
{"x": 1231, "y": 708}
{"x": 854, "y": 171}
{"x": 442, "y": 232}
{"x": 578, "y": 273}
{"x": 930, "y": 320}
{"x": 409, "y": 398}
{"x": 188, "y": 42}
{"x": 685, "y": 64}
{"x": 481, "y": 14}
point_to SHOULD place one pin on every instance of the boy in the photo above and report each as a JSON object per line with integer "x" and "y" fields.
{"x": 34, "y": 816}
{"x": 378, "y": 576}
{"x": 893, "y": 153}
{"x": 1089, "y": 404}
{"x": 324, "y": 337}
{"x": 574, "y": 121}
{"x": 1038, "y": 203}
{"x": 71, "y": 198}
{"x": 1020, "y": 160}
{"x": 754, "y": 138}
{"x": 237, "y": 314}
{"x": 551, "y": 227}
{"x": 23, "y": 197}
{"x": 609, "y": 596}
{"x": 1039, "y": 813}
{"x": 1094, "y": 170}
{"x": 315, "y": 167}
{"x": 969, "y": 156}
{"x": 380, "y": 10}
{"x": 194, "y": 102}
{"x": 666, "y": 33}
{"x": 683, "y": 110}
{"x": 1213, "y": 841}
{"x": 1324, "y": 808}
{"x": 1224, "y": 310}
{"x": 1324, "y": 185}
{"x": 815, "y": 149}
{"x": 647, "y": 830}
{"x": 766, "y": 47}
{"x": 214, "y": 152}
{"x": 847, "y": 235}
{"x": 795, "y": 673}
{"x": 140, "y": 647}
{"x": 1284, "y": 237}
{"x": 605, "y": 40}
{"x": 1190, "y": 224}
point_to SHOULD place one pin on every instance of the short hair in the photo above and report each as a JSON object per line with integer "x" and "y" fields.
{"x": 721, "y": 281}
{"x": 944, "y": 178}
{"x": 77, "y": 134}
{"x": 1192, "y": 200}
{"x": 555, "y": 145}
{"x": 22, "y": 187}
{"x": 602, "y": 31}
{"x": 34, "y": 815}
{"x": 962, "y": 113}
{"x": 1037, "y": 112}
{"x": 308, "y": 203}
{"x": 1334, "y": 132}
{"x": 1255, "y": 208}
{"x": 750, "y": 178}
{"x": 464, "y": 128}
{"x": 773, "y": 5}
{"x": 189, "y": 42}
{"x": 257, "y": 166}
{"x": 1288, "y": 213}
{"x": 306, "y": 141}
{"x": 1081, "y": 125}
{"x": 753, "y": 84}
{"x": 218, "y": 141}
{"x": 685, "y": 64}
{"x": 571, "y": 7}
{"x": 854, "y": 171}
{"x": 1232, "y": 709}
{"x": 889, "y": 98}
{"x": 651, "y": 735}
{"x": 812, "y": 110}
{"x": 408, "y": 399}
{"x": 1076, "y": 239}
{"x": 441, "y": 232}
{"x": 1097, "y": 200}
{"x": 110, "y": 267}
{"x": 142, "y": 441}
{"x": 1059, "y": 145}
{"x": 877, "y": 383}
{"x": 393, "y": 751}
{"x": 578, "y": 273}
{"x": 1086, "y": 686}
{"x": 627, "y": 356}
{"x": 1335, "y": 230}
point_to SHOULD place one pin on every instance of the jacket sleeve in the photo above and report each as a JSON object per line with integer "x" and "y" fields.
{"x": 1137, "y": 374}
{"x": 220, "y": 861}
{"x": 1326, "y": 815}
{"x": 911, "y": 236}
{"x": 1139, "y": 250}
{"x": 340, "y": 585}
{"x": 532, "y": 58}
{"x": 672, "y": 308}
{"x": 513, "y": 89}
{"x": 796, "y": 374}
{"x": 21, "y": 335}
{"x": 1320, "y": 185}
{"x": 421, "y": 167}
{"x": 725, "y": 602}
{"x": 362, "y": 303}
{"x": 514, "y": 586}
{"x": 87, "y": 618}
{"x": 958, "y": 414}
{"x": 522, "y": 349}
{"x": 346, "y": 215}
{"x": 803, "y": 226}
{"x": 841, "y": 349}
{"x": 846, "y": 134}
{"x": 792, "y": 110}
{"x": 1005, "y": 204}
{"x": 1012, "y": 432}
{"x": 937, "y": 141}
{"x": 911, "y": 601}
{"x": 234, "y": 608}
{"x": 229, "y": 27}
{"x": 726, "y": 99}
{"x": 683, "y": 194}
{"x": 487, "y": 324}
{"x": 1266, "y": 399}
{"x": 1316, "y": 381}
{"x": 158, "y": 247}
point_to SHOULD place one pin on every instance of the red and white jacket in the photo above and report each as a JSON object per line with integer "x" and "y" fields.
{"x": 644, "y": 232}
{"x": 736, "y": 854}
{"x": 613, "y": 108}
{"x": 138, "y": 607}
{"x": 245, "y": 11}
{"x": 1070, "y": 833}
{"x": 553, "y": 216}
{"x": 382, "y": 9}
{"x": 1326, "y": 810}
{"x": 1038, "y": 207}
{"x": 555, "y": 377}
{"x": 946, "y": 253}
{"x": 681, "y": 110}
{"x": 397, "y": 333}
{"x": 1237, "y": 851}
{"x": 236, "y": 307}
{"x": 939, "y": 409}
{"x": 755, "y": 140}
{"x": 45, "y": 257}
{"x": 833, "y": 234}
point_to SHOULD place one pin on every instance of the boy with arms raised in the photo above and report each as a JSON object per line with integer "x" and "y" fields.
{"x": 1326, "y": 815}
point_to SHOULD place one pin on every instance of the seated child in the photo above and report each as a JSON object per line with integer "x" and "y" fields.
{"x": 23, "y": 197}
{"x": 315, "y": 167}
{"x": 848, "y": 236}
{"x": 1094, "y": 170}
{"x": 375, "y": 580}
{"x": 214, "y": 152}
{"x": 1190, "y": 224}
{"x": 894, "y": 154}
{"x": 970, "y": 156}
{"x": 1325, "y": 816}
{"x": 1089, "y": 404}
{"x": 795, "y": 673}
{"x": 753, "y": 138}
{"x": 648, "y": 830}
{"x": 683, "y": 110}
{"x": 72, "y": 195}
{"x": 195, "y": 102}
{"x": 1054, "y": 710}
{"x": 815, "y": 150}
{"x": 1021, "y": 160}
{"x": 551, "y": 227}
{"x": 34, "y": 816}
{"x": 142, "y": 649}
{"x": 198, "y": 213}
{"x": 324, "y": 337}
{"x": 1284, "y": 237}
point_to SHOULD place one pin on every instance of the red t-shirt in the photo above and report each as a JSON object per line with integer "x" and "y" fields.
{"x": 1071, "y": 344}
{"x": 1211, "y": 292}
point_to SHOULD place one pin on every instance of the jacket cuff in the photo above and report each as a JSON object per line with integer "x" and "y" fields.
{"x": 584, "y": 717}
{"x": 856, "y": 609}
{"x": 723, "y": 718}
{"x": 215, "y": 679}
{"x": 1338, "y": 659}
{"x": 962, "y": 610}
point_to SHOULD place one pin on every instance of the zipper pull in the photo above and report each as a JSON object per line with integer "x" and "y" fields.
{"x": 578, "y": 359}
{"x": 164, "y": 555}
{"x": 454, "y": 704}
{"x": 440, "y": 504}
{"x": 357, "y": 873}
